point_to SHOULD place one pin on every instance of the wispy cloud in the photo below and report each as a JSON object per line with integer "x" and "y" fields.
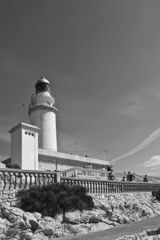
{"x": 154, "y": 161}
{"x": 133, "y": 106}
{"x": 152, "y": 137}
{"x": 141, "y": 101}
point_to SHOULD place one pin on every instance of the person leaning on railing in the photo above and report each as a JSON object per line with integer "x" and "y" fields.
{"x": 123, "y": 179}
{"x": 130, "y": 176}
{"x": 111, "y": 175}
{"x": 145, "y": 179}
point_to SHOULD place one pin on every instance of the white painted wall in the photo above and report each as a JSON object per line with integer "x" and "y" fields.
{"x": 46, "y": 121}
{"x": 50, "y": 160}
{"x": 16, "y": 147}
{"x": 24, "y": 146}
{"x": 29, "y": 149}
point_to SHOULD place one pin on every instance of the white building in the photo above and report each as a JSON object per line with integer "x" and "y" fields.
{"x": 34, "y": 145}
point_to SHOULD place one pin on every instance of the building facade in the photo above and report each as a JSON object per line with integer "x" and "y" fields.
{"x": 34, "y": 145}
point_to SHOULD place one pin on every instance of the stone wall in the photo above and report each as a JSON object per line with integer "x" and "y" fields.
{"x": 13, "y": 180}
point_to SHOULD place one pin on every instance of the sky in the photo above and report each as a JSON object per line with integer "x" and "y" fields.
{"x": 102, "y": 58}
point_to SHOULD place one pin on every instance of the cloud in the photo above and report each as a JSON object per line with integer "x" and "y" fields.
{"x": 154, "y": 161}
{"x": 152, "y": 137}
{"x": 141, "y": 101}
{"x": 133, "y": 107}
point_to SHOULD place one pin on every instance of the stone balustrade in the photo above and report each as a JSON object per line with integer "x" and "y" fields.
{"x": 101, "y": 186}
{"x": 85, "y": 173}
{"x": 21, "y": 179}
{"x": 13, "y": 180}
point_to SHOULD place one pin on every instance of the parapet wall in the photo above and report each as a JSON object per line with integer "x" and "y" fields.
{"x": 13, "y": 180}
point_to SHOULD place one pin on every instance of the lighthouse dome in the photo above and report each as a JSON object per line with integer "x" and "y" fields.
{"x": 42, "y": 96}
{"x": 43, "y": 80}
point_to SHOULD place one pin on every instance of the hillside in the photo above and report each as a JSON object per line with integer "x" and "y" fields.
{"x": 109, "y": 211}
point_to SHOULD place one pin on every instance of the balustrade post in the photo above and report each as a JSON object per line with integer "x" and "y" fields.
{"x": 20, "y": 175}
{"x": 57, "y": 177}
{"x": 26, "y": 180}
{"x": 52, "y": 178}
{"x": 9, "y": 180}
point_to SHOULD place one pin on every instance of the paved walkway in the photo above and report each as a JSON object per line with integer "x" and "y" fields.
{"x": 115, "y": 232}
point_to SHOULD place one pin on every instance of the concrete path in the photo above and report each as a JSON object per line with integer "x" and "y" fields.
{"x": 115, "y": 232}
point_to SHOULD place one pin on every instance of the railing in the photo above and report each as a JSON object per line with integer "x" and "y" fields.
{"x": 85, "y": 173}
{"x": 101, "y": 186}
{"x": 18, "y": 178}
{"x": 23, "y": 179}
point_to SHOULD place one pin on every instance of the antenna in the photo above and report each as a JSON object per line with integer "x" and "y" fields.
{"x": 106, "y": 152}
{"x": 76, "y": 145}
{"x": 23, "y": 112}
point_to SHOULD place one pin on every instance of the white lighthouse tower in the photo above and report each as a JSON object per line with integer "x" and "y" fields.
{"x": 42, "y": 113}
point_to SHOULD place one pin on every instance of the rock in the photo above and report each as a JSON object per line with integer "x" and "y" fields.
{"x": 107, "y": 221}
{"x": 38, "y": 235}
{"x": 125, "y": 219}
{"x": 93, "y": 216}
{"x": 99, "y": 227}
{"x": 153, "y": 232}
{"x": 11, "y": 213}
{"x": 12, "y": 233}
{"x": 59, "y": 218}
{"x": 127, "y": 206}
{"x": 146, "y": 211}
{"x": 73, "y": 217}
{"x": 75, "y": 229}
{"x": 3, "y": 229}
{"x": 20, "y": 223}
{"x": 109, "y": 211}
{"x": 37, "y": 215}
{"x": 121, "y": 207}
{"x": 26, "y": 235}
{"x": 48, "y": 219}
{"x": 48, "y": 226}
{"x": 30, "y": 221}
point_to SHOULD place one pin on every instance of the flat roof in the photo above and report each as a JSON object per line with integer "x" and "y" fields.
{"x": 72, "y": 157}
{"x": 24, "y": 125}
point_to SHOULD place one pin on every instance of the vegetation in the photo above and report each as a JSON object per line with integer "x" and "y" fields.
{"x": 156, "y": 194}
{"x": 13, "y": 165}
{"x": 54, "y": 198}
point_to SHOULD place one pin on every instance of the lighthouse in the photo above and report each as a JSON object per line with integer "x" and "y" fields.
{"x": 42, "y": 113}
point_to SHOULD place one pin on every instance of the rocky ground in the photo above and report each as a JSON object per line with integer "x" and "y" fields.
{"x": 109, "y": 211}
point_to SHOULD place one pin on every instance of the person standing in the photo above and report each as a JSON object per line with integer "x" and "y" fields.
{"x": 111, "y": 175}
{"x": 145, "y": 179}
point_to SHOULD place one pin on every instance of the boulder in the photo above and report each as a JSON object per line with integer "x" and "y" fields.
{"x": 30, "y": 221}
{"x": 26, "y": 235}
{"x": 93, "y": 216}
{"x": 11, "y": 213}
{"x": 39, "y": 235}
{"x": 107, "y": 221}
{"x": 99, "y": 227}
{"x": 73, "y": 217}
{"x": 20, "y": 224}
{"x": 37, "y": 215}
{"x": 47, "y": 226}
{"x": 153, "y": 232}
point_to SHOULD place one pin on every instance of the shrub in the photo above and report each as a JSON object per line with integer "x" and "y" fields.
{"x": 156, "y": 194}
{"x": 54, "y": 198}
{"x": 13, "y": 165}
